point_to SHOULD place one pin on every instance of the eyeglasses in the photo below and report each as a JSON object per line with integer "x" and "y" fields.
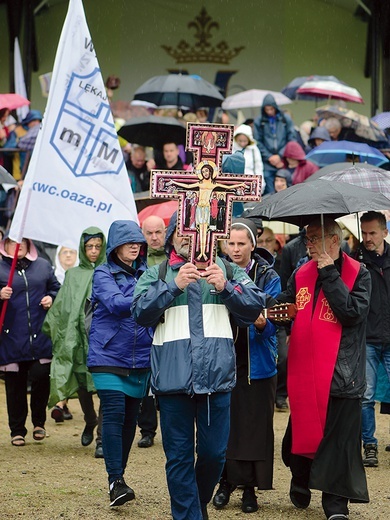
{"x": 314, "y": 240}
{"x": 132, "y": 245}
{"x": 89, "y": 247}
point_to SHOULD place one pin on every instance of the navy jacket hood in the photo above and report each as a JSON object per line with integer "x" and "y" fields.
{"x": 122, "y": 232}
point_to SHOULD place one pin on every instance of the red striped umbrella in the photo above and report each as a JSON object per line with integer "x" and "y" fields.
{"x": 330, "y": 89}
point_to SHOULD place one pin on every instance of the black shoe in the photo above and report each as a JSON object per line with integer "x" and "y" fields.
{"x": 387, "y": 447}
{"x": 120, "y": 493}
{"x": 57, "y": 414}
{"x": 66, "y": 413}
{"x": 338, "y": 517}
{"x": 281, "y": 404}
{"x": 99, "y": 452}
{"x": 300, "y": 497}
{"x": 205, "y": 515}
{"x": 222, "y": 496}
{"x": 249, "y": 500}
{"x": 370, "y": 458}
{"x": 146, "y": 442}
{"x": 87, "y": 435}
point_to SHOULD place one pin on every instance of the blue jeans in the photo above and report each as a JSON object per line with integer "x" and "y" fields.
{"x": 120, "y": 413}
{"x": 374, "y": 355}
{"x": 191, "y": 484}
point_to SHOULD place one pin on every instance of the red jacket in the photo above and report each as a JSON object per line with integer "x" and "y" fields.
{"x": 305, "y": 168}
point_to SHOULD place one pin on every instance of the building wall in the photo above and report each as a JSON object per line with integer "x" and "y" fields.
{"x": 307, "y": 37}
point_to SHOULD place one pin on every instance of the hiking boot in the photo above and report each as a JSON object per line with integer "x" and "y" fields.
{"x": 120, "y": 493}
{"x": 370, "y": 458}
{"x": 222, "y": 496}
{"x": 281, "y": 404}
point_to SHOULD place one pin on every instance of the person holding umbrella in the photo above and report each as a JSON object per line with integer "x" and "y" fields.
{"x": 326, "y": 374}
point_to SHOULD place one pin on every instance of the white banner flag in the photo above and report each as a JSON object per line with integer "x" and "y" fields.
{"x": 20, "y": 85}
{"x": 76, "y": 177}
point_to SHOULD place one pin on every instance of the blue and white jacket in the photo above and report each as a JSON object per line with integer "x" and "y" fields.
{"x": 193, "y": 350}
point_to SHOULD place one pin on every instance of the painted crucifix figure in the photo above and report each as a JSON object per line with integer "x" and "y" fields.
{"x": 205, "y": 195}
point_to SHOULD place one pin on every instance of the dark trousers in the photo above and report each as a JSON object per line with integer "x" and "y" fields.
{"x": 120, "y": 413}
{"x": 88, "y": 408}
{"x": 16, "y": 392}
{"x": 281, "y": 388}
{"x": 191, "y": 484}
{"x": 147, "y": 418}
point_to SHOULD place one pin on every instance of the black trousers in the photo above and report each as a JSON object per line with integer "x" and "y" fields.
{"x": 16, "y": 393}
{"x": 281, "y": 388}
{"x": 88, "y": 408}
{"x": 300, "y": 468}
{"x": 147, "y": 418}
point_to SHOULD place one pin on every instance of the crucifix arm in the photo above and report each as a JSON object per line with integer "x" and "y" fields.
{"x": 183, "y": 185}
{"x": 230, "y": 186}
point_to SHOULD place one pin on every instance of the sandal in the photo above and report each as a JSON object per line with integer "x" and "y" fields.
{"x": 39, "y": 433}
{"x": 18, "y": 440}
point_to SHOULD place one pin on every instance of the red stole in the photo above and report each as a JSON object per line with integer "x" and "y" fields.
{"x": 314, "y": 345}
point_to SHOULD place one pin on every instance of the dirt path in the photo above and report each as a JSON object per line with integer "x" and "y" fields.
{"x": 59, "y": 479}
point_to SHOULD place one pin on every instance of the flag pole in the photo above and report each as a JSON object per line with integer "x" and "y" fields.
{"x": 14, "y": 260}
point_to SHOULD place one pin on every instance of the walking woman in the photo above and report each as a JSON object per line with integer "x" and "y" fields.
{"x": 119, "y": 350}
{"x": 250, "y": 452}
{"x": 25, "y": 352}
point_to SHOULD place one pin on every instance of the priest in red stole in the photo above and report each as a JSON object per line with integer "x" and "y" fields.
{"x": 326, "y": 374}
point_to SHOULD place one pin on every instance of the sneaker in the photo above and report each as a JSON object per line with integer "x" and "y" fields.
{"x": 146, "y": 442}
{"x": 120, "y": 493}
{"x": 370, "y": 458}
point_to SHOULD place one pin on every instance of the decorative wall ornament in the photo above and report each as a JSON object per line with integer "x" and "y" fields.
{"x": 203, "y": 51}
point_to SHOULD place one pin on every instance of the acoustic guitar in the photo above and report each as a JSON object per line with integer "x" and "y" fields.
{"x": 281, "y": 313}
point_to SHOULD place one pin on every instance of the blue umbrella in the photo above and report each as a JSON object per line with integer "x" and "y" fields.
{"x": 291, "y": 89}
{"x": 339, "y": 151}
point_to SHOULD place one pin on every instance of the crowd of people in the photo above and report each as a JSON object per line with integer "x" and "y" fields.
{"x": 132, "y": 319}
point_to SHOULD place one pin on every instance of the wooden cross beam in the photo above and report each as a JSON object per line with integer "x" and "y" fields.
{"x": 205, "y": 195}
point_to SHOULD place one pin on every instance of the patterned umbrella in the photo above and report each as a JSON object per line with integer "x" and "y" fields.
{"x": 382, "y": 120}
{"x": 375, "y": 179}
{"x": 361, "y": 125}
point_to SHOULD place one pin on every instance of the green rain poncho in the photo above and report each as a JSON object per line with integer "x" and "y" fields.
{"x": 65, "y": 324}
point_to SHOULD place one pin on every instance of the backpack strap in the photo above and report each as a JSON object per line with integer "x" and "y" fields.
{"x": 162, "y": 269}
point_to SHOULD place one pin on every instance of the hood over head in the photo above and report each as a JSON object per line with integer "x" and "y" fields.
{"x": 87, "y": 234}
{"x": 320, "y": 132}
{"x": 32, "y": 253}
{"x": 168, "y": 236}
{"x": 294, "y": 150}
{"x": 284, "y": 174}
{"x": 269, "y": 100}
{"x": 125, "y": 232}
{"x": 245, "y": 130}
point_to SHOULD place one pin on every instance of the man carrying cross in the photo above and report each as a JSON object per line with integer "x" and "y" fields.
{"x": 193, "y": 364}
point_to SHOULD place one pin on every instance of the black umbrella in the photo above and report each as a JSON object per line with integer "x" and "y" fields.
{"x": 153, "y": 131}
{"x": 179, "y": 90}
{"x": 301, "y": 203}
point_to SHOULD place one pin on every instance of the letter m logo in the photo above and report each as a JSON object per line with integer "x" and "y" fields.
{"x": 84, "y": 135}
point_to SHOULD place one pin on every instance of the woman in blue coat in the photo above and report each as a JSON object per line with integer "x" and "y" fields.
{"x": 25, "y": 351}
{"x": 119, "y": 350}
